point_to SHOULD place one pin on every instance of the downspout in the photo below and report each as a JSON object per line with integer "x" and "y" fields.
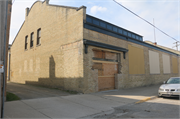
{"x": 9, "y": 66}
{"x": 3, "y": 91}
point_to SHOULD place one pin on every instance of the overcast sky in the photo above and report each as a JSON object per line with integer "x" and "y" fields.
{"x": 166, "y": 14}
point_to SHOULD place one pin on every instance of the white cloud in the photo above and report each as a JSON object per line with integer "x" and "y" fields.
{"x": 96, "y": 9}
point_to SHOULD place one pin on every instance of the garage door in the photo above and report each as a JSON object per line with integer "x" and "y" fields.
{"x": 107, "y": 65}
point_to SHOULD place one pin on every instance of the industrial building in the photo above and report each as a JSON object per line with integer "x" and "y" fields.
{"x": 63, "y": 47}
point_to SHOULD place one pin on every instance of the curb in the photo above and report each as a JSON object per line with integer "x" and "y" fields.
{"x": 146, "y": 99}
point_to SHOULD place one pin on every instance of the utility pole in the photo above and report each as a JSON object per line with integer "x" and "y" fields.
{"x": 176, "y": 45}
{"x": 5, "y": 16}
{"x": 154, "y": 32}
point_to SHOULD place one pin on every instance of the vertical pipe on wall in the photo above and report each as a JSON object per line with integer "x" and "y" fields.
{"x": 9, "y": 66}
{"x": 119, "y": 63}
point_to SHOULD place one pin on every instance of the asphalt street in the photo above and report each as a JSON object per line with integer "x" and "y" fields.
{"x": 156, "y": 108}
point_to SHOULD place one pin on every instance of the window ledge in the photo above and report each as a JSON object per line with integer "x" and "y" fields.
{"x": 38, "y": 45}
{"x": 32, "y": 47}
{"x": 25, "y": 49}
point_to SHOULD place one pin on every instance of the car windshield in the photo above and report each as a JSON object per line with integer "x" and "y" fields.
{"x": 173, "y": 81}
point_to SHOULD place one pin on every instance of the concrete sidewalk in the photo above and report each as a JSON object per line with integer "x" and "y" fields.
{"x": 77, "y": 106}
{"x": 25, "y": 91}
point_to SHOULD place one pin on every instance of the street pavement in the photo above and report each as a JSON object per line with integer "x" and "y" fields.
{"x": 107, "y": 104}
{"x": 158, "y": 108}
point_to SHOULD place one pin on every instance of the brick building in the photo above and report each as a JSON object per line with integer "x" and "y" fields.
{"x": 63, "y": 47}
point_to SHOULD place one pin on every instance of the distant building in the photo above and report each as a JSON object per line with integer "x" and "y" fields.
{"x": 63, "y": 47}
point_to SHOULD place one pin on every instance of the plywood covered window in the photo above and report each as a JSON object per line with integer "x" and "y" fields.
{"x": 154, "y": 62}
{"x": 104, "y": 55}
{"x": 174, "y": 65}
{"x": 106, "y": 69}
{"x": 106, "y": 62}
{"x": 166, "y": 64}
{"x": 136, "y": 60}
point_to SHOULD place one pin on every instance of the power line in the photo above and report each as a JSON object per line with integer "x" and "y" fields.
{"x": 144, "y": 20}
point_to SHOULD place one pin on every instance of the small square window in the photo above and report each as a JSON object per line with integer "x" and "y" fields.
{"x": 88, "y": 19}
{"x": 38, "y": 36}
{"x": 137, "y": 37}
{"x": 96, "y": 22}
{"x": 125, "y": 33}
{"x": 140, "y": 39}
{"x": 120, "y": 31}
{"x": 115, "y": 29}
{"x": 32, "y": 39}
{"x": 133, "y": 36}
{"x": 129, "y": 34}
{"x": 109, "y": 26}
{"x": 102, "y": 24}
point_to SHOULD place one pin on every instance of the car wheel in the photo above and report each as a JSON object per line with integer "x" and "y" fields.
{"x": 159, "y": 96}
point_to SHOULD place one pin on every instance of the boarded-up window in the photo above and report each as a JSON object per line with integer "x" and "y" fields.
{"x": 104, "y": 55}
{"x": 174, "y": 65}
{"x": 136, "y": 60}
{"x": 166, "y": 64}
{"x": 154, "y": 62}
{"x": 106, "y": 69}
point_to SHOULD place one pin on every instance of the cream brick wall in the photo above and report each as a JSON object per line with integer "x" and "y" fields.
{"x": 58, "y": 61}
{"x": 123, "y": 80}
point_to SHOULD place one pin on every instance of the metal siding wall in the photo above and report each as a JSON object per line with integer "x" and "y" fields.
{"x": 136, "y": 60}
{"x": 166, "y": 64}
{"x": 154, "y": 62}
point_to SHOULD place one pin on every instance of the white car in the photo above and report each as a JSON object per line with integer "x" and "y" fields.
{"x": 170, "y": 88}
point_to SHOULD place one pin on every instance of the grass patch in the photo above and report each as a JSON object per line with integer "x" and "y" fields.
{"x": 11, "y": 97}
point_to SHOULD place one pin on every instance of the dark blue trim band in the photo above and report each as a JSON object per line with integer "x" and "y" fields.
{"x": 104, "y": 31}
{"x": 111, "y": 27}
{"x": 111, "y": 33}
{"x": 103, "y": 45}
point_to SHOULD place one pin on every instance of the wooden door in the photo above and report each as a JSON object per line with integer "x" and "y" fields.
{"x": 107, "y": 65}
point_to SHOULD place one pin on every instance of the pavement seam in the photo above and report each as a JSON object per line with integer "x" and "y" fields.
{"x": 76, "y": 102}
{"x": 35, "y": 109}
{"x": 146, "y": 99}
